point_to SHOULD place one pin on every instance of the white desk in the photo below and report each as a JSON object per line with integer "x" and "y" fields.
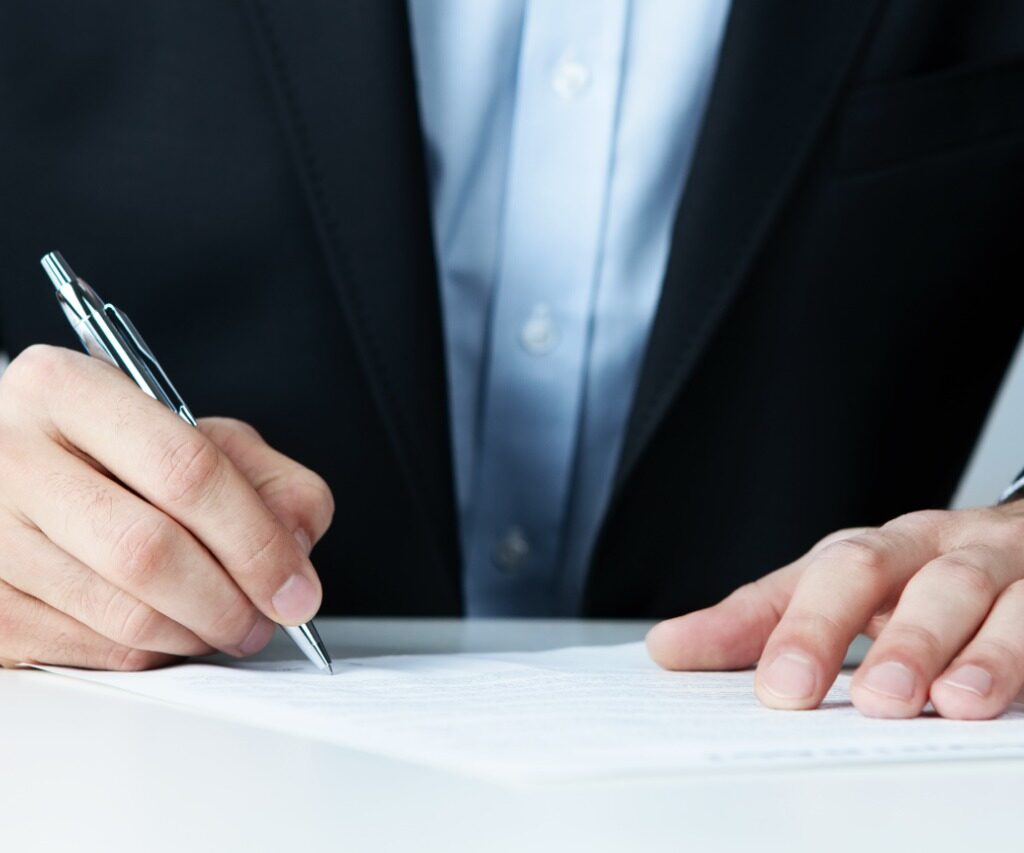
{"x": 86, "y": 768}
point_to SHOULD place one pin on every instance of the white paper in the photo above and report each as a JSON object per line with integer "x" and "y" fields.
{"x": 568, "y": 713}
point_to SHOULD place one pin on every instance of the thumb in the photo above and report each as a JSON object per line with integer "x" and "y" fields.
{"x": 733, "y": 633}
{"x": 729, "y": 635}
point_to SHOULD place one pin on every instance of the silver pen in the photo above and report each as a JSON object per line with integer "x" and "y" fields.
{"x": 107, "y": 333}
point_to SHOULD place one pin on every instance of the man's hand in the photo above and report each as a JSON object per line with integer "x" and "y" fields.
{"x": 942, "y": 594}
{"x": 128, "y": 538}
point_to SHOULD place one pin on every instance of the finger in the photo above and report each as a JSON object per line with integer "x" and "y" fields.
{"x": 729, "y": 635}
{"x": 33, "y": 632}
{"x": 32, "y": 564}
{"x": 841, "y": 588}
{"x": 177, "y": 469}
{"x": 298, "y": 498}
{"x": 732, "y": 633}
{"x": 939, "y": 610}
{"x": 137, "y": 549}
{"x": 988, "y": 674}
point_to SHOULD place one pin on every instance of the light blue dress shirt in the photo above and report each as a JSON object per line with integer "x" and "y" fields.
{"x": 559, "y": 135}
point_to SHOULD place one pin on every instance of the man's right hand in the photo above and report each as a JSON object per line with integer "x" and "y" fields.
{"x": 129, "y": 538}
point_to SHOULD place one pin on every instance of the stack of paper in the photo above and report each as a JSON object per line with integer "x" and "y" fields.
{"x": 569, "y": 713}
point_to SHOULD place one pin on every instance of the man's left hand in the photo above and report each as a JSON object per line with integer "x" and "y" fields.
{"x": 940, "y": 592}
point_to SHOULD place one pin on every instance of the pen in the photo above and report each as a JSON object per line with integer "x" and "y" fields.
{"x": 107, "y": 333}
{"x": 1013, "y": 491}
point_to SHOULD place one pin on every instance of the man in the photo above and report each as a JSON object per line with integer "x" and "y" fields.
{"x": 604, "y": 309}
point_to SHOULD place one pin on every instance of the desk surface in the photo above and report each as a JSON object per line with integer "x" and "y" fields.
{"x": 88, "y": 768}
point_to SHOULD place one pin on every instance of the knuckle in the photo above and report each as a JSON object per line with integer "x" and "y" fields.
{"x": 770, "y": 603}
{"x": 138, "y": 625}
{"x": 236, "y": 425}
{"x": 38, "y": 361}
{"x": 143, "y": 549}
{"x": 876, "y": 624}
{"x": 1014, "y": 594}
{"x": 968, "y": 578}
{"x": 857, "y": 550}
{"x": 35, "y": 367}
{"x": 224, "y": 431}
{"x": 1001, "y": 655}
{"x": 55, "y": 647}
{"x": 71, "y": 593}
{"x": 923, "y": 522}
{"x": 7, "y": 615}
{"x": 190, "y": 467}
{"x": 816, "y": 632}
{"x": 322, "y": 493}
{"x": 310, "y": 493}
{"x": 1012, "y": 531}
{"x": 860, "y": 557}
{"x": 762, "y": 606}
{"x": 838, "y": 535}
{"x": 990, "y": 525}
{"x": 986, "y": 515}
{"x": 93, "y": 499}
{"x": 125, "y": 659}
{"x": 914, "y": 638}
{"x": 810, "y": 627}
{"x": 261, "y": 546}
{"x": 233, "y": 624}
{"x": 329, "y": 505}
{"x": 9, "y": 452}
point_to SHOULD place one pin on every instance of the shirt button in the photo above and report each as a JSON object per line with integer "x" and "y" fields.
{"x": 571, "y": 76}
{"x": 511, "y": 551}
{"x": 539, "y": 335}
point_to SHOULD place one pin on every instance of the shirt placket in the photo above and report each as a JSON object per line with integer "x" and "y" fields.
{"x": 535, "y": 368}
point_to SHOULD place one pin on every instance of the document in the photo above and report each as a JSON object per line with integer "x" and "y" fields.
{"x": 567, "y": 714}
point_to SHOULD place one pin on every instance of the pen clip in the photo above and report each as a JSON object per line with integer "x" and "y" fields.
{"x": 131, "y": 336}
{"x": 110, "y": 335}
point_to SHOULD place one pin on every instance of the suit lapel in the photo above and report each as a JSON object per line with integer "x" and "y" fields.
{"x": 343, "y": 78}
{"x": 780, "y": 69}
{"x": 342, "y": 75}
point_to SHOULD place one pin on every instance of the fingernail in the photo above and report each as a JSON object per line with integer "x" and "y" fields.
{"x": 258, "y": 637}
{"x": 296, "y": 601}
{"x": 790, "y": 676}
{"x": 302, "y": 537}
{"x": 891, "y": 679}
{"x": 972, "y": 678}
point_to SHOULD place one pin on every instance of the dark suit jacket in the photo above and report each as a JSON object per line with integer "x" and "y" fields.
{"x": 844, "y": 290}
